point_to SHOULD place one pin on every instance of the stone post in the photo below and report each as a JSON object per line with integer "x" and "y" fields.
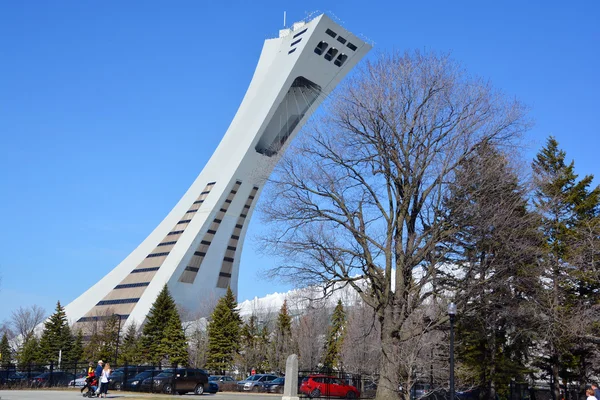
{"x": 290, "y": 389}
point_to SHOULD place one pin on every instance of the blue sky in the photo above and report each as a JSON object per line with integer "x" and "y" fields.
{"x": 110, "y": 109}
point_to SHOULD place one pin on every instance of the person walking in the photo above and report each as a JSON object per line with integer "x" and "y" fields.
{"x": 596, "y": 390}
{"x": 98, "y": 373}
{"x": 104, "y": 380}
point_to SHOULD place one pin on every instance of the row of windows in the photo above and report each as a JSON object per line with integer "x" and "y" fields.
{"x": 299, "y": 33}
{"x": 166, "y": 243}
{"x": 102, "y": 318}
{"x": 198, "y": 201}
{"x": 191, "y": 211}
{"x": 190, "y": 272}
{"x": 341, "y": 39}
{"x": 227, "y": 260}
{"x": 157, "y": 255}
{"x": 140, "y": 270}
{"x": 184, "y": 221}
{"x": 174, "y": 233}
{"x": 132, "y": 285}
{"x": 118, "y": 301}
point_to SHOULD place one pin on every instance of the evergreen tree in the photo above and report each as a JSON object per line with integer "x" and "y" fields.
{"x": 163, "y": 314}
{"x": 5, "y": 351}
{"x": 56, "y": 337}
{"x": 335, "y": 338}
{"x": 495, "y": 248}
{"x": 128, "y": 351}
{"x": 76, "y": 353}
{"x": 173, "y": 345}
{"x": 564, "y": 204}
{"x": 29, "y": 351}
{"x": 223, "y": 334}
{"x": 282, "y": 341}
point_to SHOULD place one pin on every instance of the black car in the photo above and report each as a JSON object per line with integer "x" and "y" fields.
{"x": 120, "y": 375}
{"x": 134, "y": 383}
{"x": 274, "y": 386}
{"x": 56, "y": 378}
{"x": 180, "y": 380}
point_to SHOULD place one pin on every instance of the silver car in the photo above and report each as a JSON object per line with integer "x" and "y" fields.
{"x": 254, "y": 382}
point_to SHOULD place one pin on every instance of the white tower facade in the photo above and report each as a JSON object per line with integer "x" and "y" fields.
{"x": 196, "y": 249}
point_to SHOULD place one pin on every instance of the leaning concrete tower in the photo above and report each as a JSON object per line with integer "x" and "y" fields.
{"x": 196, "y": 249}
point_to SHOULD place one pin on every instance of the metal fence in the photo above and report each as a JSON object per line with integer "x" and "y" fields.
{"x": 73, "y": 375}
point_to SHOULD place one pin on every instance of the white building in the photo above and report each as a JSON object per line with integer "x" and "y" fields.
{"x": 196, "y": 249}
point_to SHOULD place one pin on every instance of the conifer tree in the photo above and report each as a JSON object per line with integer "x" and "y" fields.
{"x": 76, "y": 353}
{"x": 162, "y": 315}
{"x": 56, "y": 337}
{"x": 5, "y": 351}
{"x": 564, "y": 204}
{"x": 335, "y": 338}
{"x": 495, "y": 248}
{"x": 282, "y": 341}
{"x": 128, "y": 352}
{"x": 173, "y": 345}
{"x": 29, "y": 351}
{"x": 223, "y": 334}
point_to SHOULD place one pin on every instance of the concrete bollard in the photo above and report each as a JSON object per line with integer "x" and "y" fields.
{"x": 290, "y": 388}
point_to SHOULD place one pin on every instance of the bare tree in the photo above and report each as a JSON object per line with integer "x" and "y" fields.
{"x": 360, "y": 198}
{"x": 309, "y": 331}
{"x": 25, "y": 319}
{"x": 361, "y": 351}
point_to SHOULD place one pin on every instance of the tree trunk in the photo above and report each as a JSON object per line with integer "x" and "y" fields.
{"x": 389, "y": 365}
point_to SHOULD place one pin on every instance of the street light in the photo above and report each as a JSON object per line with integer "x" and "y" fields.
{"x": 118, "y": 337}
{"x": 452, "y": 314}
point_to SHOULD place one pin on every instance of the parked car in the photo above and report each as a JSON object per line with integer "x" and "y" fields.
{"x": 120, "y": 376}
{"x": 57, "y": 378}
{"x": 180, "y": 380}
{"x": 275, "y": 386}
{"x": 212, "y": 387}
{"x": 221, "y": 379}
{"x": 254, "y": 382}
{"x": 78, "y": 382}
{"x": 317, "y": 385}
{"x": 21, "y": 379}
{"x": 134, "y": 383}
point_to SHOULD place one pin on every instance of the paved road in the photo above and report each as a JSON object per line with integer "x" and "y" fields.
{"x": 73, "y": 394}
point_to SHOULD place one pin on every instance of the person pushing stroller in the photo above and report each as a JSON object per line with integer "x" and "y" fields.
{"x": 89, "y": 377}
{"x": 91, "y": 383}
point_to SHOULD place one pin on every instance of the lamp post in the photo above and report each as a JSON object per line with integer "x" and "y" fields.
{"x": 118, "y": 338}
{"x": 451, "y": 314}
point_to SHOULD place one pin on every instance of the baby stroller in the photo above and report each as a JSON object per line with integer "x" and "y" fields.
{"x": 92, "y": 385}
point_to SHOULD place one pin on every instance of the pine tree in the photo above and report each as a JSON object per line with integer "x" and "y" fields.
{"x": 76, "y": 353}
{"x": 564, "y": 204}
{"x": 163, "y": 314}
{"x": 5, "y": 351}
{"x": 282, "y": 341}
{"x": 495, "y": 247}
{"x": 56, "y": 337}
{"x": 173, "y": 345}
{"x": 223, "y": 334}
{"x": 335, "y": 338}
{"x": 29, "y": 351}
{"x": 128, "y": 352}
